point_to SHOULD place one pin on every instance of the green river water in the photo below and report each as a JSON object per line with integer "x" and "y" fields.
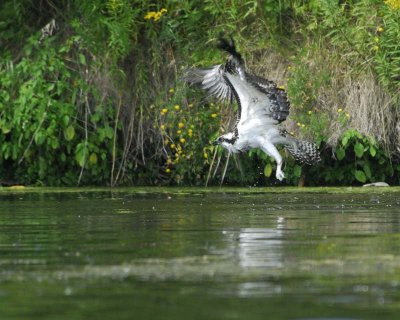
{"x": 200, "y": 254}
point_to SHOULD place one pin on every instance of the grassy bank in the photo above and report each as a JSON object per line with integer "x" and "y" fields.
{"x": 240, "y": 191}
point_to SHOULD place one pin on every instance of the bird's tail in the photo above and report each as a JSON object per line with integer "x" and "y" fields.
{"x": 304, "y": 151}
{"x": 229, "y": 46}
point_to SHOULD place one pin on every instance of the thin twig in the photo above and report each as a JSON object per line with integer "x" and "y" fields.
{"x": 113, "y": 182}
{"x": 86, "y": 138}
{"x": 226, "y": 167}
{"x": 211, "y": 165}
{"x": 33, "y": 137}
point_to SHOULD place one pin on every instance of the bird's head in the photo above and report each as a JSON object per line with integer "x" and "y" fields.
{"x": 227, "y": 140}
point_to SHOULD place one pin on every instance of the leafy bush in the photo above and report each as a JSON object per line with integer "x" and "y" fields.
{"x": 47, "y": 121}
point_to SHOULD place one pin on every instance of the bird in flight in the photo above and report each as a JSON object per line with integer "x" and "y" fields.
{"x": 262, "y": 106}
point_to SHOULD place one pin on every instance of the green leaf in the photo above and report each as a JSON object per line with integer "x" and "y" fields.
{"x": 340, "y": 153}
{"x": 360, "y": 176}
{"x": 69, "y": 133}
{"x": 5, "y": 129}
{"x": 65, "y": 120}
{"x": 50, "y": 87}
{"x": 82, "y": 59}
{"x": 55, "y": 144}
{"x": 109, "y": 132}
{"x": 39, "y": 138}
{"x": 297, "y": 171}
{"x": 268, "y": 170}
{"x": 359, "y": 149}
{"x": 93, "y": 158}
{"x": 345, "y": 140}
{"x": 372, "y": 151}
{"x": 367, "y": 170}
{"x": 80, "y": 154}
{"x": 6, "y": 96}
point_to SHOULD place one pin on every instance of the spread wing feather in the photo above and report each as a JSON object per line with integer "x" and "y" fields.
{"x": 279, "y": 104}
{"x": 257, "y": 98}
{"x": 211, "y": 79}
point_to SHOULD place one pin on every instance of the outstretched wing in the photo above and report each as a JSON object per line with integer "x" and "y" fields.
{"x": 211, "y": 79}
{"x": 261, "y": 102}
{"x": 258, "y": 99}
{"x": 277, "y": 97}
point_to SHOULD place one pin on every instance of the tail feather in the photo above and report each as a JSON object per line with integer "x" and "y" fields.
{"x": 304, "y": 152}
{"x": 229, "y": 46}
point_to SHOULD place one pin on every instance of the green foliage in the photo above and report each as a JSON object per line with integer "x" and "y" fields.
{"x": 387, "y": 48}
{"x": 358, "y": 160}
{"x": 43, "y": 130}
{"x": 187, "y": 131}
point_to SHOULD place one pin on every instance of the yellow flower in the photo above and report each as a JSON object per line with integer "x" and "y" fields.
{"x": 298, "y": 124}
{"x": 213, "y": 115}
{"x": 291, "y": 133}
{"x": 347, "y": 115}
{"x": 173, "y": 146}
{"x": 190, "y": 132}
{"x": 157, "y": 16}
{"x": 150, "y": 15}
{"x": 178, "y": 131}
{"x": 182, "y": 140}
{"x": 205, "y": 155}
{"x": 168, "y": 170}
{"x": 379, "y": 29}
{"x": 169, "y": 160}
{"x": 164, "y": 111}
{"x": 339, "y": 110}
{"x": 309, "y": 112}
{"x": 375, "y": 48}
{"x": 166, "y": 142}
{"x": 171, "y": 90}
{"x": 177, "y": 107}
{"x": 162, "y": 127}
{"x": 376, "y": 39}
{"x": 281, "y": 87}
{"x": 303, "y": 125}
{"x": 181, "y": 125}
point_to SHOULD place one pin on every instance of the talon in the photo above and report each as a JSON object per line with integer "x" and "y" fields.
{"x": 280, "y": 175}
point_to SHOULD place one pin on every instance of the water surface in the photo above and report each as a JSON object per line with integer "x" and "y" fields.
{"x": 199, "y": 255}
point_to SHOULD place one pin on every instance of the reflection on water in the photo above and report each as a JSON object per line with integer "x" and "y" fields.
{"x": 199, "y": 256}
{"x": 257, "y": 247}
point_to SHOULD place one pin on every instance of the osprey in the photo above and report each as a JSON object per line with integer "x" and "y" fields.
{"x": 261, "y": 107}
